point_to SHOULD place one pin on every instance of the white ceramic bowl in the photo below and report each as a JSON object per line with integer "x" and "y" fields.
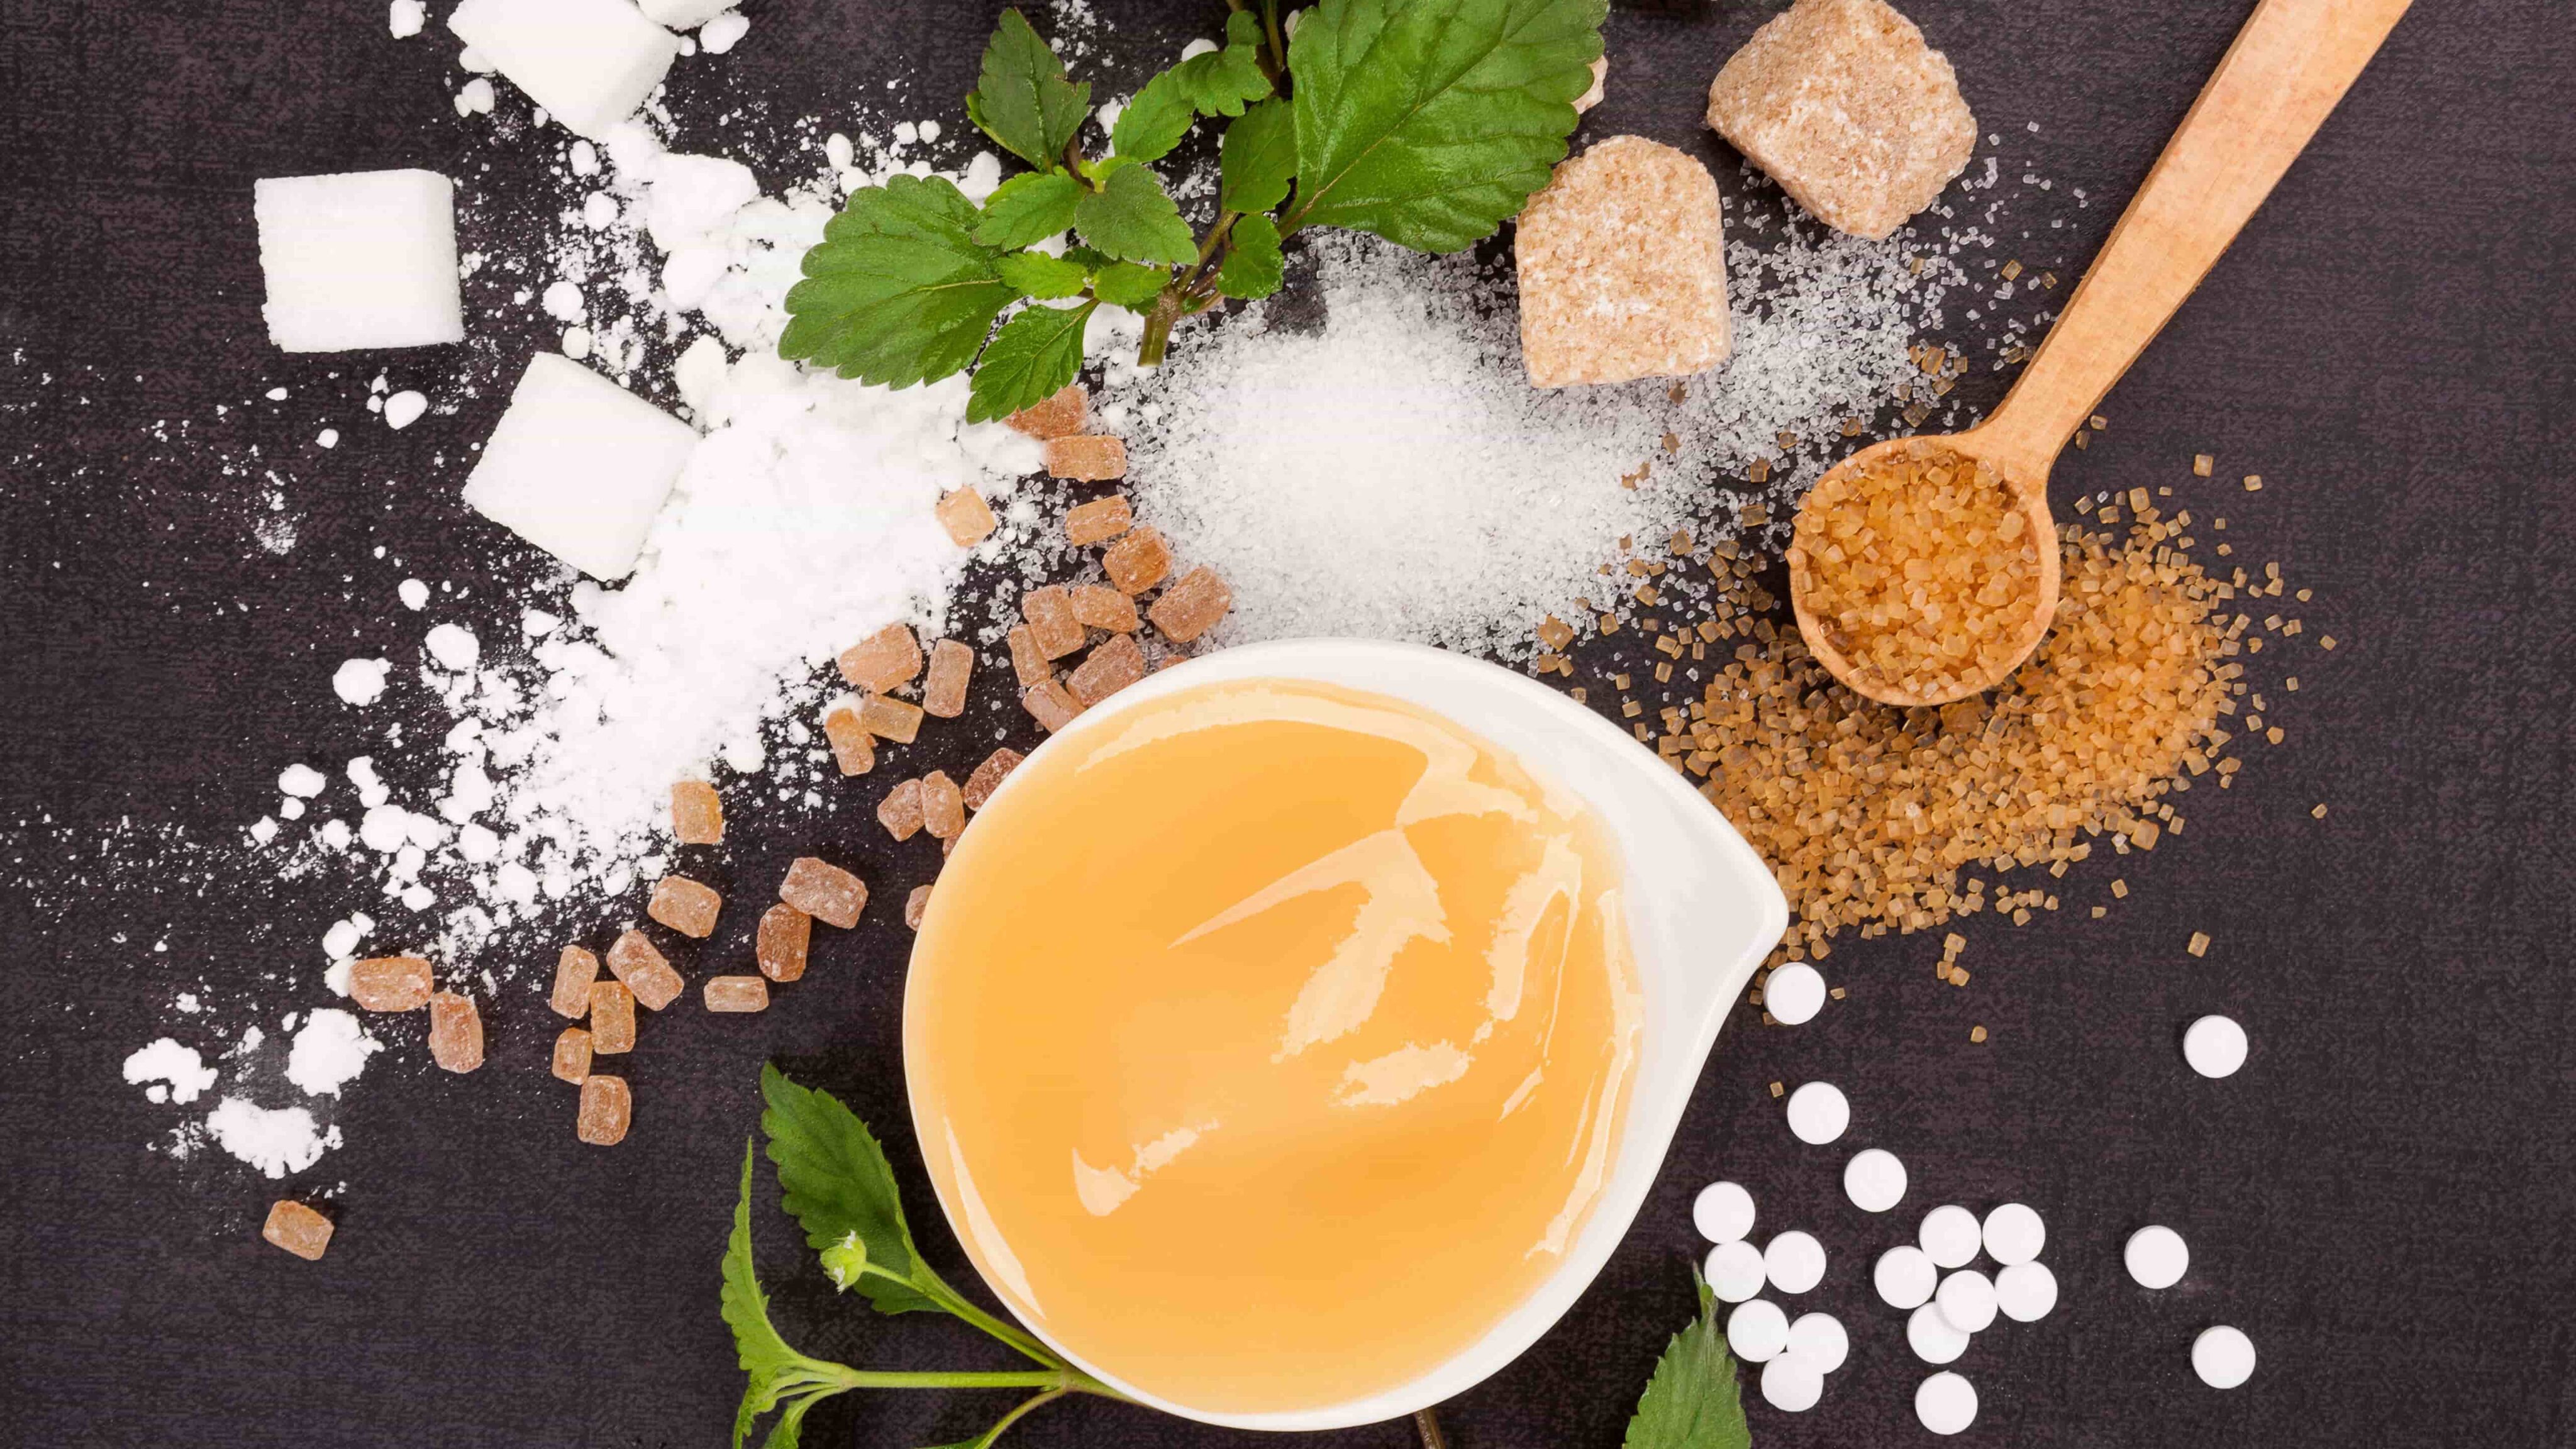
{"x": 1703, "y": 910}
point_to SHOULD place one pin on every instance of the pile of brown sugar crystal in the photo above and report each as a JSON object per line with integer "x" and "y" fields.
{"x": 1921, "y": 569}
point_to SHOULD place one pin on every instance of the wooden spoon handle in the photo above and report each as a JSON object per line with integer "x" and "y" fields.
{"x": 2289, "y": 65}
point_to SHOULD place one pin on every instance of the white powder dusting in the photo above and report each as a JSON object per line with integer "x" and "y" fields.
{"x": 329, "y": 1052}
{"x": 277, "y": 1141}
{"x": 360, "y": 681}
{"x": 174, "y": 1073}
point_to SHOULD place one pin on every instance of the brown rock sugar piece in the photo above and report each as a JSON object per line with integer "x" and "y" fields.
{"x": 1050, "y": 705}
{"x": 575, "y": 969}
{"x": 697, "y": 816}
{"x": 1112, "y": 667}
{"x": 297, "y": 1228}
{"x": 612, "y": 1018}
{"x": 900, "y": 811}
{"x": 607, "y": 1109}
{"x": 943, "y": 691}
{"x": 1192, "y": 606}
{"x": 572, "y": 1054}
{"x": 1099, "y": 607}
{"x": 1623, "y": 268}
{"x": 967, "y": 517}
{"x": 1028, "y": 662}
{"x": 1052, "y": 627}
{"x": 390, "y": 983}
{"x": 853, "y": 748}
{"x": 685, "y": 906}
{"x": 1849, "y": 110}
{"x": 737, "y": 993}
{"x": 988, "y": 777}
{"x": 455, "y": 1032}
{"x": 1055, "y": 417}
{"x": 1137, "y": 562}
{"x": 884, "y": 659}
{"x": 644, "y": 970}
{"x": 1086, "y": 458}
{"x": 826, "y": 892}
{"x": 785, "y": 934}
{"x": 890, "y": 719}
{"x": 943, "y": 807}
{"x": 1098, "y": 521}
{"x": 916, "y": 906}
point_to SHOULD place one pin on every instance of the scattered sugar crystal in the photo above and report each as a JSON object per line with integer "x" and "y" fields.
{"x": 967, "y": 517}
{"x": 854, "y": 750}
{"x": 989, "y": 775}
{"x": 824, "y": 891}
{"x": 1110, "y": 668}
{"x": 579, "y": 466}
{"x": 722, "y": 33}
{"x": 360, "y": 681}
{"x": 612, "y": 1017}
{"x": 414, "y": 594}
{"x": 277, "y": 1141}
{"x": 359, "y": 259}
{"x": 943, "y": 689}
{"x": 644, "y": 970}
{"x": 292, "y": 1225}
{"x": 1086, "y": 457}
{"x": 686, "y": 906}
{"x": 1101, "y": 607}
{"x": 1622, "y": 268}
{"x": 404, "y": 409}
{"x": 1098, "y": 521}
{"x": 882, "y": 661}
{"x": 404, "y": 18}
{"x": 607, "y": 1109}
{"x": 901, "y": 811}
{"x": 178, "y": 1073}
{"x": 737, "y": 993}
{"x": 916, "y": 906}
{"x": 1192, "y": 605}
{"x": 453, "y": 646}
{"x": 455, "y": 1032}
{"x": 330, "y": 1050}
{"x": 1137, "y": 561}
{"x": 697, "y": 813}
{"x": 390, "y": 983}
{"x": 786, "y": 933}
{"x": 475, "y": 98}
{"x": 890, "y": 719}
{"x": 575, "y": 970}
{"x": 1056, "y": 417}
{"x": 562, "y": 301}
{"x": 943, "y": 809}
{"x": 590, "y": 63}
{"x": 327, "y": 438}
{"x": 572, "y": 1054}
{"x": 1049, "y": 704}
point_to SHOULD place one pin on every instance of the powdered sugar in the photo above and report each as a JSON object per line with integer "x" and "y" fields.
{"x": 169, "y": 1072}
{"x": 329, "y": 1052}
{"x": 277, "y": 1140}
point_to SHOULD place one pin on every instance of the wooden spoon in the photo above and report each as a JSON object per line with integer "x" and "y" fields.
{"x": 2289, "y": 65}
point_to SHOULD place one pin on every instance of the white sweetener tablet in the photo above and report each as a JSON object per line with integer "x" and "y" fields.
{"x": 1792, "y": 1385}
{"x": 2223, "y": 1357}
{"x": 1967, "y": 1299}
{"x": 1723, "y": 1212}
{"x": 2024, "y": 1292}
{"x": 1905, "y": 1277}
{"x": 2214, "y": 1045}
{"x": 1734, "y": 1271}
{"x": 1818, "y": 1341}
{"x": 1874, "y": 1180}
{"x": 1818, "y": 1112}
{"x": 1952, "y": 1235}
{"x": 1757, "y": 1330}
{"x": 2156, "y": 1256}
{"x": 2014, "y": 1234}
{"x": 1946, "y": 1403}
{"x": 1794, "y": 994}
{"x": 1932, "y": 1338}
{"x": 1794, "y": 1261}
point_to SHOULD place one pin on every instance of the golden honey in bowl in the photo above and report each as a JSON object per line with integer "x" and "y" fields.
{"x": 1269, "y": 1041}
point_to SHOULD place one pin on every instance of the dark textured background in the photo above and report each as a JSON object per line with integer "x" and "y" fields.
{"x": 2382, "y": 1198}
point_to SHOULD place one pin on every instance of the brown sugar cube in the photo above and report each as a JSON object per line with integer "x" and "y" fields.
{"x": 943, "y": 691}
{"x": 1112, "y": 667}
{"x": 390, "y": 983}
{"x": 785, "y": 933}
{"x": 1098, "y": 607}
{"x": 826, "y": 892}
{"x": 644, "y": 970}
{"x": 890, "y": 719}
{"x": 1842, "y": 102}
{"x": 1623, "y": 268}
{"x": 943, "y": 809}
{"x": 685, "y": 906}
{"x": 967, "y": 517}
{"x": 612, "y": 1018}
{"x": 1027, "y": 661}
{"x": 697, "y": 816}
{"x": 607, "y": 1108}
{"x": 1137, "y": 562}
{"x": 572, "y": 1054}
{"x": 1055, "y": 417}
{"x": 297, "y": 1228}
{"x": 1098, "y": 521}
{"x": 884, "y": 659}
{"x": 900, "y": 811}
{"x": 988, "y": 777}
{"x": 1086, "y": 458}
{"x": 737, "y": 993}
{"x": 853, "y": 748}
{"x": 1050, "y": 705}
{"x": 455, "y": 1032}
{"x": 575, "y": 969}
{"x": 1192, "y": 606}
{"x": 1052, "y": 627}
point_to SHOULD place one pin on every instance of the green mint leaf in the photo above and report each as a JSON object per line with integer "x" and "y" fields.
{"x": 1223, "y": 81}
{"x": 1428, "y": 122}
{"x": 1150, "y": 125}
{"x": 1258, "y": 156}
{"x": 1029, "y": 207}
{"x": 1022, "y": 99}
{"x": 1129, "y": 285}
{"x": 1036, "y": 353}
{"x": 1693, "y": 1401}
{"x": 1253, "y": 266}
{"x": 837, "y": 1182}
{"x": 1042, "y": 276}
{"x": 898, "y": 291}
{"x": 1131, "y": 218}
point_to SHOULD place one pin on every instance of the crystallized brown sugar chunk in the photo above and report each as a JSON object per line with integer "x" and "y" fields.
{"x": 1192, "y": 606}
{"x": 297, "y": 1228}
{"x": 572, "y": 1054}
{"x": 390, "y": 983}
{"x": 890, "y": 719}
{"x": 785, "y": 934}
{"x": 575, "y": 969}
{"x": 1849, "y": 110}
{"x": 1048, "y": 703}
{"x": 900, "y": 811}
{"x": 943, "y": 691}
{"x": 916, "y": 906}
{"x": 826, "y": 892}
{"x": 612, "y": 1018}
{"x": 943, "y": 807}
{"x": 697, "y": 816}
{"x": 1053, "y": 630}
{"x": 644, "y": 970}
{"x": 1137, "y": 562}
{"x": 1086, "y": 458}
{"x": 1112, "y": 667}
{"x": 737, "y": 993}
{"x": 853, "y": 748}
{"x": 607, "y": 1109}
{"x": 988, "y": 777}
{"x": 1055, "y": 417}
{"x": 884, "y": 659}
{"x": 455, "y": 1032}
{"x": 1622, "y": 268}
{"x": 967, "y": 517}
{"x": 1098, "y": 521}
{"x": 685, "y": 906}
{"x": 1100, "y": 607}
{"x": 1027, "y": 661}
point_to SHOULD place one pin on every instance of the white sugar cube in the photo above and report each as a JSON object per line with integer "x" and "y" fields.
{"x": 590, "y": 63}
{"x": 358, "y": 259}
{"x": 579, "y": 466}
{"x": 686, "y": 14}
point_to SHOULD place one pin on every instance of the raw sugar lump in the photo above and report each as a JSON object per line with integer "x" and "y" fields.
{"x": 358, "y": 259}
{"x": 578, "y": 466}
{"x": 590, "y": 63}
{"x": 1843, "y": 103}
{"x": 1623, "y": 268}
